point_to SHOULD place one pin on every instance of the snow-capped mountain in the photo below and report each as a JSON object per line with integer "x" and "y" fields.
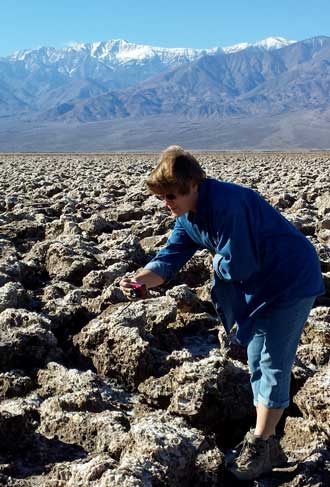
{"x": 244, "y": 83}
{"x": 114, "y": 79}
{"x": 135, "y": 90}
{"x": 44, "y": 77}
{"x": 47, "y": 76}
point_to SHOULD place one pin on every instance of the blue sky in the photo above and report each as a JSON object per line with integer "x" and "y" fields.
{"x": 171, "y": 23}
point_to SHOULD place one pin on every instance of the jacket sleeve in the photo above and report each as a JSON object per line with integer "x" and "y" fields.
{"x": 237, "y": 253}
{"x": 178, "y": 250}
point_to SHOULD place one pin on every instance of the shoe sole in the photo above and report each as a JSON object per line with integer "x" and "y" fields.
{"x": 245, "y": 476}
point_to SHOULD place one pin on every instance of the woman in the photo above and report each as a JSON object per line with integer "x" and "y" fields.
{"x": 266, "y": 278}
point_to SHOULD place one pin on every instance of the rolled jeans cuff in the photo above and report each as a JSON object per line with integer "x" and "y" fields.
{"x": 271, "y": 404}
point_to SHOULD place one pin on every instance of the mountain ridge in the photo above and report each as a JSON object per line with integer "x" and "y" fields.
{"x": 115, "y": 45}
{"x": 237, "y": 84}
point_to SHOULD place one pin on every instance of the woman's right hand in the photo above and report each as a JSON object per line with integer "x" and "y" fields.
{"x": 125, "y": 286}
{"x": 145, "y": 277}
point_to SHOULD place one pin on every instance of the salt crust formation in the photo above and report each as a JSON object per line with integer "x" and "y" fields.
{"x": 98, "y": 394}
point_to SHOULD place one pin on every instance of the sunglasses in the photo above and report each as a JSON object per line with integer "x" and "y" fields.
{"x": 167, "y": 196}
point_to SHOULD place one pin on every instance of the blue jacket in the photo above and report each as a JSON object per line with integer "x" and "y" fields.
{"x": 260, "y": 259}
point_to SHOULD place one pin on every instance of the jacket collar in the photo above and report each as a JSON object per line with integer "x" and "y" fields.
{"x": 202, "y": 202}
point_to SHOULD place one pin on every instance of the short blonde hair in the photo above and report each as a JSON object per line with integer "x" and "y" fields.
{"x": 175, "y": 170}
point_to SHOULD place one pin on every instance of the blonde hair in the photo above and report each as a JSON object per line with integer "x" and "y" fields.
{"x": 175, "y": 170}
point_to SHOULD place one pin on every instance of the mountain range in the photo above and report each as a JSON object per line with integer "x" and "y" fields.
{"x": 122, "y": 83}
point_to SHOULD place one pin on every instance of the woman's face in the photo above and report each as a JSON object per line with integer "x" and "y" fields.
{"x": 177, "y": 203}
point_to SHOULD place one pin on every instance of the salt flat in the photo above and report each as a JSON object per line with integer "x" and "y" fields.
{"x": 94, "y": 394}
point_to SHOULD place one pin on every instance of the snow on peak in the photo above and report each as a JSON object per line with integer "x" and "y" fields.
{"x": 121, "y": 52}
{"x": 268, "y": 44}
{"x": 20, "y": 55}
{"x": 117, "y": 51}
{"x": 274, "y": 43}
{"x": 41, "y": 53}
{"x": 236, "y": 47}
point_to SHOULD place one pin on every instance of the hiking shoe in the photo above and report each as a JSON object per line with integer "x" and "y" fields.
{"x": 253, "y": 459}
{"x": 276, "y": 453}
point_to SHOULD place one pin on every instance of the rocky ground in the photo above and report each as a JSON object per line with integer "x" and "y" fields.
{"x": 98, "y": 394}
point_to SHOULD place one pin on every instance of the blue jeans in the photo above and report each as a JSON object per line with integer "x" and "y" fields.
{"x": 272, "y": 349}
